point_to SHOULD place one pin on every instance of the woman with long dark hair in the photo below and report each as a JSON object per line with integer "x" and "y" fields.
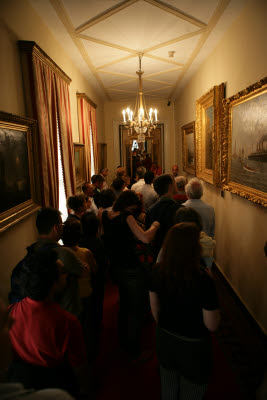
{"x": 184, "y": 304}
{"x": 121, "y": 234}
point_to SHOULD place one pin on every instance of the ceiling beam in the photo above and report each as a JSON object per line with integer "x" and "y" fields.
{"x": 168, "y": 8}
{"x": 180, "y": 38}
{"x": 63, "y": 16}
{"x": 115, "y": 62}
{"x": 118, "y": 74}
{"x": 164, "y": 60}
{"x": 115, "y": 46}
{"x": 121, "y": 83}
{"x": 101, "y": 17}
{"x": 156, "y": 81}
{"x": 162, "y": 72}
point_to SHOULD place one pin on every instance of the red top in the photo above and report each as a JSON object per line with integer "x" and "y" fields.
{"x": 156, "y": 170}
{"x": 46, "y": 335}
{"x": 180, "y": 196}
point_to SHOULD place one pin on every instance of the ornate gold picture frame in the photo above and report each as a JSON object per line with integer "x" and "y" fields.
{"x": 18, "y": 169}
{"x": 189, "y": 148}
{"x": 244, "y": 143}
{"x": 209, "y": 110}
{"x": 79, "y": 162}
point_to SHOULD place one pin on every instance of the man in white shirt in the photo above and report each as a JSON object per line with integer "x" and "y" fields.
{"x": 140, "y": 172}
{"x": 194, "y": 191}
{"x": 149, "y": 195}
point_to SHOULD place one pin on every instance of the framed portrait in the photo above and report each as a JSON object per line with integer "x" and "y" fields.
{"x": 18, "y": 169}
{"x": 79, "y": 162}
{"x": 209, "y": 116}
{"x": 244, "y": 145}
{"x": 189, "y": 148}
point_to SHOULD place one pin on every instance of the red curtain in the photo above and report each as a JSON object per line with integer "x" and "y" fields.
{"x": 65, "y": 134}
{"x": 84, "y": 113}
{"x": 47, "y": 122}
{"x": 52, "y": 106}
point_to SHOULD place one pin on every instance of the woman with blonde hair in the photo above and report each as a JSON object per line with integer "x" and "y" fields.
{"x": 184, "y": 304}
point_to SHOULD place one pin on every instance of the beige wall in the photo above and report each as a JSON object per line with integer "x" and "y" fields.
{"x": 20, "y": 22}
{"x": 239, "y": 60}
{"x": 113, "y": 118}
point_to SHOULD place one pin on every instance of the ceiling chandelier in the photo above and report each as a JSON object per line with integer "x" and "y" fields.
{"x": 140, "y": 121}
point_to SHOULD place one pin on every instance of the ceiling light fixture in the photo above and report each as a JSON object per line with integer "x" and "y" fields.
{"x": 139, "y": 120}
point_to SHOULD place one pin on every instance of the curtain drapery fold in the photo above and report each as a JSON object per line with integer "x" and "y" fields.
{"x": 84, "y": 112}
{"x": 65, "y": 135}
{"x": 52, "y": 108}
{"x": 45, "y": 97}
{"x": 94, "y": 135}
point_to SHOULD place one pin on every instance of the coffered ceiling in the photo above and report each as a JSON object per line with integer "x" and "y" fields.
{"x": 106, "y": 37}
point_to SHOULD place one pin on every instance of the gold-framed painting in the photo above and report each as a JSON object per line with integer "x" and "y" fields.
{"x": 18, "y": 169}
{"x": 209, "y": 117}
{"x": 244, "y": 143}
{"x": 189, "y": 148}
{"x": 79, "y": 163}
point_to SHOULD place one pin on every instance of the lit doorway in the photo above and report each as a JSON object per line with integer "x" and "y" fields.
{"x": 130, "y": 149}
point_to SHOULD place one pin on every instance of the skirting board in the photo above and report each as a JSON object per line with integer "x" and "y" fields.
{"x": 241, "y": 303}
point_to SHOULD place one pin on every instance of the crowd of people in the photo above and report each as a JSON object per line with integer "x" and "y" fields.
{"x": 154, "y": 239}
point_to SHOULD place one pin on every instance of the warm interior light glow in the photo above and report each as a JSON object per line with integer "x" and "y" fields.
{"x": 140, "y": 121}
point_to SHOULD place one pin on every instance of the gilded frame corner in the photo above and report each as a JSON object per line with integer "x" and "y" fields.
{"x": 15, "y": 204}
{"x": 247, "y": 192}
{"x": 186, "y": 130}
{"x": 210, "y": 100}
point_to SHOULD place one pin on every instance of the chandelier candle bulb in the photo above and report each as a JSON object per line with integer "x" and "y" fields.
{"x": 156, "y": 116}
{"x": 123, "y": 113}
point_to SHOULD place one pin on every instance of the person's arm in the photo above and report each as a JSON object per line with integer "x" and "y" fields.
{"x": 143, "y": 236}
{"x": 211, "y": 319}
{"x": 155, "y": 306}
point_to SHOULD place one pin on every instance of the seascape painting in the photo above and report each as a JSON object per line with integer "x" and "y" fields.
{"x": 208, "y": 137}
{"x": 14, "y": 169}
{"x": 249, "y": 143}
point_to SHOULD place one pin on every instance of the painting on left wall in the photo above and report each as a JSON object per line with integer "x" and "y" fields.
{"x": 17, "y": 169}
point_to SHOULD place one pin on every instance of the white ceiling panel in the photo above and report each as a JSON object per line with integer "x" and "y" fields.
{"x": 183, "y": 50}
{"x": 148, "y": 85}
{"x": 201, "y": 10}
{"x": 109, "y": 79}
{"x": 81, "y": 11}
{"x": 134, "y": 27}
{"x": 131, "y": 86}
{"x": 167, "y": 78}
{"x": 99, "y": 53}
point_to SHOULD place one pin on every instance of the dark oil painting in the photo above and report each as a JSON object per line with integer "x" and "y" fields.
{"x": 14, "y": 169}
